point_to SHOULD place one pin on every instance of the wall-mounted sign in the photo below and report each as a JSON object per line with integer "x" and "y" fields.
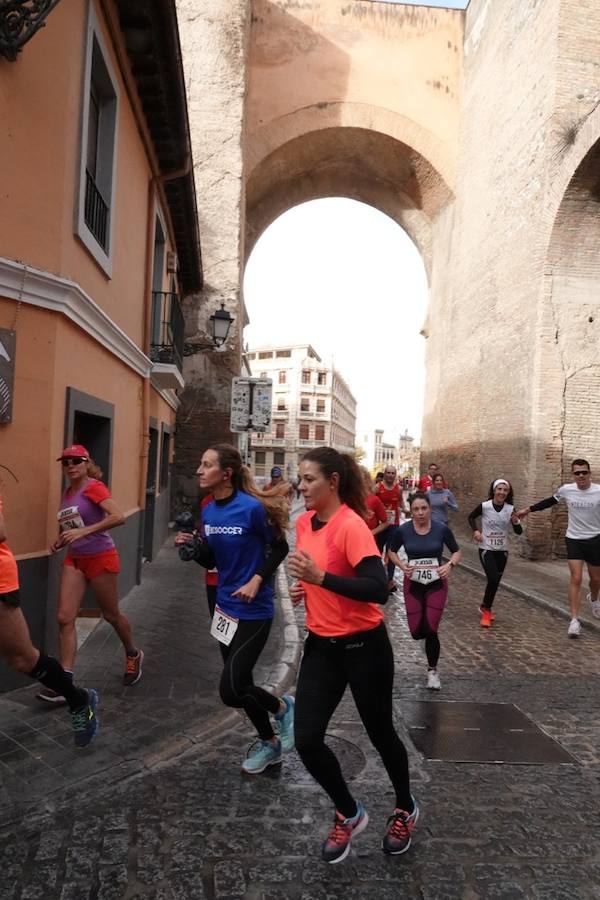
{"x": 251, "y": 404}
{"x": 8, "y": 341}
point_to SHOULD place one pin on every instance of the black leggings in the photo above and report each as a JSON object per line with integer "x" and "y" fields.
{"x": 494, "y": 563}
{"x": 237, "y": 687}
{"x": 364, "y": 661}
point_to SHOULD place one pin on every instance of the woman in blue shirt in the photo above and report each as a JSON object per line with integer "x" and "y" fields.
{"x": 244, "y": 536}
{"x": 425, "y": 576}
{"x": 441, "y": 500}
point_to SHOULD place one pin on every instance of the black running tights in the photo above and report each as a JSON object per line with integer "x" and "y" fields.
{"x": 237, "y": 686}
{"x": 365, "y": 662}
{"x": 494, "y": 563}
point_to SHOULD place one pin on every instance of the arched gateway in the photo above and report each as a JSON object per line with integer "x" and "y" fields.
{"x": 464, "y": 128}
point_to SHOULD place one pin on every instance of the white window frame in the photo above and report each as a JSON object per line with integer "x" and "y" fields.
{"x": 94, "y": 35}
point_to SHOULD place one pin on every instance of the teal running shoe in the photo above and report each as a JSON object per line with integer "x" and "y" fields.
{"x": 85, "y": 721}
{"x": 286, "y": 724}
{"x": 260, "y": 756}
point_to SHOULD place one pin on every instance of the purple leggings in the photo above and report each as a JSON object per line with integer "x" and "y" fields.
{"x": 424, "y": 606}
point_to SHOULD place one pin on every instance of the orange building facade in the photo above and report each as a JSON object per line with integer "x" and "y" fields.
{"x": 98, "y": 244}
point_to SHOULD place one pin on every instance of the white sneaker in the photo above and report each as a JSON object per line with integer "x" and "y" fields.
{"x": 595, "y": 604}
{"x": 433, "y": 680}
{"x": 574, "y": 629}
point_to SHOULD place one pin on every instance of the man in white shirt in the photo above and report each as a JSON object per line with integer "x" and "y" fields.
{"x": 582, "y": 537}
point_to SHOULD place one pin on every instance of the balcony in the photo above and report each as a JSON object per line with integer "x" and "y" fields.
{"x": 280, "y": 414}
{"x": 95, "y": 211}
{"x": 166, "y": 349}
{"x": 265, "y": 440}
{"x": 311, "y": 442}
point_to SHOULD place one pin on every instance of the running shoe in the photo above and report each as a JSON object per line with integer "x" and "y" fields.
{"x": 337, "y": 846}
{"x": 486, "y": 619}
{"x": 400, "y": 826}
{"x": 51, "y": 697}
{"x": 85, "y": 721}
{"x": 133, "y": 668}
{"x": 595, "y": 604}
{"x": 262, "y": 755}
{"x": 574, "y": 629}
{"x": 482, "y": 609}
{"x": 433, "y": 680}
{"x": 286, "y": 724}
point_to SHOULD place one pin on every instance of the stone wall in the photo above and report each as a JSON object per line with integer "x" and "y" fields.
{"x": 214, "y": 41}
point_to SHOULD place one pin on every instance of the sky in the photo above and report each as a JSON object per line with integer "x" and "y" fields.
{"x": 347, "y": 279}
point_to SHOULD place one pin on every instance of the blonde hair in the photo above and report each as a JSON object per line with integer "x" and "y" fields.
{"x": 93, "y": 470}
{"x": 276, "y": 506}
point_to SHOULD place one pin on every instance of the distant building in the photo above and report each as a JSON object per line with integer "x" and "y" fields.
{"x": 312, "y": 407}
{"x": 379, "y": 453}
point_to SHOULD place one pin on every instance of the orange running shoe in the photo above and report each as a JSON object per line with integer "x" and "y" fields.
{"x": 486, "y": 619}
{"x": 482, "y": 609}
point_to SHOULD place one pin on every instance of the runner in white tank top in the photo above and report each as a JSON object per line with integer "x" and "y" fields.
{"x": 497, "y": 514}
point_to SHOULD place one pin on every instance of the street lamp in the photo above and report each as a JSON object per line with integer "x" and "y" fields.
{"x": 221, "y": 323}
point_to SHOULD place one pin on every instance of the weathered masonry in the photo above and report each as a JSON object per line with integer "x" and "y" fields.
{"x": 478, "y": 133}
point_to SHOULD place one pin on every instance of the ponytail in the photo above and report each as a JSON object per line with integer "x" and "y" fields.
{"x": 351, "y": 490}
{"x": 276, "y": 506}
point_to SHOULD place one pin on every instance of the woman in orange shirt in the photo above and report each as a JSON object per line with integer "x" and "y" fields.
{"x": 343, "y": 584}
{"x": 19, "y": 652}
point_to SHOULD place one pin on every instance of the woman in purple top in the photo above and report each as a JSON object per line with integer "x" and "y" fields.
{"x": 87, "y": 512}
{"x": 441, "y": 499}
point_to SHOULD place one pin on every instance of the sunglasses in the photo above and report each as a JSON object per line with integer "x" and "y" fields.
{"x": 73, "y": 460}
{"x": 582, "y": 472}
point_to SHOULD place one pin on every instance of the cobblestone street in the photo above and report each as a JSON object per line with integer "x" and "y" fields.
{"x": 194, "y": 828}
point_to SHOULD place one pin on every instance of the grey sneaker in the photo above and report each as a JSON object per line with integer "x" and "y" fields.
{"x": 595, "y": 604}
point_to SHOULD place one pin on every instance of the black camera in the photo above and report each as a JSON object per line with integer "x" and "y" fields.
{"x": 185, "y": 522}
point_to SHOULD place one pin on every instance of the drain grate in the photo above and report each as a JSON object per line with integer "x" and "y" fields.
{"x": 456, "y": 731}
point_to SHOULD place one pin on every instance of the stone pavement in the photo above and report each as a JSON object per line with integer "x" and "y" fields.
{"x": 191, "y": 828}
{"x": 172, "y": 708}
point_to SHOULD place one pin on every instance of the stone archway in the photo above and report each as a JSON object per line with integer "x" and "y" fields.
{"x": 349, "y": 161}
{"x": 568, "y": 370}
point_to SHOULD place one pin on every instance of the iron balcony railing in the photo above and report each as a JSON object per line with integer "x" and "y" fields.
{"x": 96, "y": 211}
{"x": 167, "y": 329}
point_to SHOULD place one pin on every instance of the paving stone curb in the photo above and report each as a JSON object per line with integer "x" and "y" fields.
{"x": 529, "y": 594}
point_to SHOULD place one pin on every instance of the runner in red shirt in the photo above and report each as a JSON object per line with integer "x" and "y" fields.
{"x": 390, "y": 494}
{"x": 425, "y": 482}
{"x": 376, "y": 511}
{"x": 342, "y": 583}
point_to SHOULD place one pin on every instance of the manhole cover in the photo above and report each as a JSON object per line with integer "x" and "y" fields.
{"x": 455, "y": 731}
{"x": 351, "y": 759}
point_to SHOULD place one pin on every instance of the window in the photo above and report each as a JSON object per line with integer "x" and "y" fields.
{"x": 319, "y": 432}
{"x": 279, "y": 430}
{"x": 303, "y": 432}
{"x": 283, "y": 354}
{"x": 89, "y": 421}
{"x": 282, "y": 377}
{"x": 281, "y": 403}
{"x": 320, "y": 405}
{"x": 304, "y": 404}
{"x": 260, "y": 457}
{"x": 322, "y": 378}
{"x": 305, "y": 376}
{"x": 264, "y": 355}
{"x": 98, "y": 157}
{"x": 279, "y": 458}
{"x": 252, "y": 356}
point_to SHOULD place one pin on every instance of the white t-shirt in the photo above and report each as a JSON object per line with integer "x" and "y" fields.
{"x": 494, "y": 526}
{"x": 584, "y": 510}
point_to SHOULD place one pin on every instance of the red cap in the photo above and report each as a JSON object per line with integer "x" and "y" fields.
{"x": 74, "y": 450}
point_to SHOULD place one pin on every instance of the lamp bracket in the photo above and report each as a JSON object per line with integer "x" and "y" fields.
{"x": 19, "y": 21}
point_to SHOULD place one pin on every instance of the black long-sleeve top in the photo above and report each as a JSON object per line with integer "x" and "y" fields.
{"x": 477, "y": 512}
{"x": 370, "y": 584}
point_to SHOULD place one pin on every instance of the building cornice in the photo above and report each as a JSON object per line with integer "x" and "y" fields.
{"x": 47, "y": 291}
